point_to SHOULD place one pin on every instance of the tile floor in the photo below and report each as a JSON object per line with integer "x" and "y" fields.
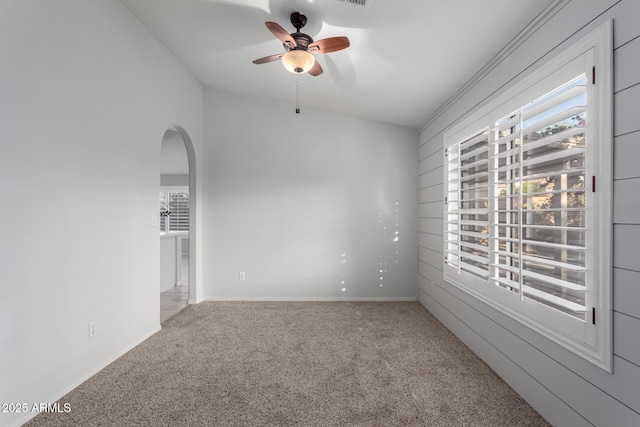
{"x": 174, "y": 300}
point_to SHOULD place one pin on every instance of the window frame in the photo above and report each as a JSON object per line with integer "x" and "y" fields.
{"x": 165, "y": 222}
{"x": 593, "y": 342}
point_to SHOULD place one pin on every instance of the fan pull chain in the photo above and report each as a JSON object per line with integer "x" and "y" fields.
{"x": 297, "y": 94}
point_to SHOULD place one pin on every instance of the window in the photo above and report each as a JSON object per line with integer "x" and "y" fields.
{"x": 528, "y": 200}
{"x": 174, "y": 209}
{"x": 467, "y": 237}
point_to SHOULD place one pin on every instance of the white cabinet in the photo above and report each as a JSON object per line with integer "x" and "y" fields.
{"x": 171, "y": 251}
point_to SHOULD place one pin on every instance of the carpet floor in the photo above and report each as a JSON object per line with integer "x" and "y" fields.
{"x": 297, "y": 364}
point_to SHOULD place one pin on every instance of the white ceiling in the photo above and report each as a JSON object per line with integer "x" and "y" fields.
{"x": 406, "y": 57}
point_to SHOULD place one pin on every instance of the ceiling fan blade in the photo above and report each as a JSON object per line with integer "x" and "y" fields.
{"x": 331, "y": 44}
{"x": 316, "y": 70}
{"x": 268, "y": 59}
{"x": 280, "y": 33}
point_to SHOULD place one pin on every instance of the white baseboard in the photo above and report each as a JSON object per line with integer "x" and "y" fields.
{"x": 57, "y": 396}
{"x": 311, "y": 299}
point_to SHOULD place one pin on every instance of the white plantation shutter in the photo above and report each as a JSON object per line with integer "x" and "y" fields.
{"x": 176, "y": 202}
{"x": 525, "y": 230}
{"x": 467, "y": 205}
{"x": 179, "y": 207}
{"x": 538, "y": 207}
{"x": 164, "y": 206}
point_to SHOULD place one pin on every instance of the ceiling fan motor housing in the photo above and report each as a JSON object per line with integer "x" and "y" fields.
{"x": 302, "y": 41}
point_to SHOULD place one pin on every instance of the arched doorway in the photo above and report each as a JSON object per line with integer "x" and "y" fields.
{"x": 177, "y": 222}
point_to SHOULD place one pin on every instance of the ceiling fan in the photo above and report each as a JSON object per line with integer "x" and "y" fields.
{"x": 299, "y": 47}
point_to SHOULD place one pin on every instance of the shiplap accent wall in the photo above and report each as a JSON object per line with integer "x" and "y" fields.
{"x": 565, "y": 389}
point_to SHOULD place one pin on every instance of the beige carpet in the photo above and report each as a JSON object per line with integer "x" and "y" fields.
{"x": 297, "y": 364}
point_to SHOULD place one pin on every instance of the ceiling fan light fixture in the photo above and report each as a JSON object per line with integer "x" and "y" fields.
{"x": 298, "y": 61}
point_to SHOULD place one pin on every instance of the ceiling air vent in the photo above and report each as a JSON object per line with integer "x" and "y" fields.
{"x": 354, "y": 2}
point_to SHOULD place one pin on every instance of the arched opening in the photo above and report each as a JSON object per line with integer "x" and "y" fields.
{"x": 177, "y": 222}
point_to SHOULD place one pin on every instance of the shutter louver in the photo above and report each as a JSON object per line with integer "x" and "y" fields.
{"x": 467, "y": 205}
{"x": 179, "y": 207}
{"x": 538, "y": 200}
{"x": 164, "y": 207}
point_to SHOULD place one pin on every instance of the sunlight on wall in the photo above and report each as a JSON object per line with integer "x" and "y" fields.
{"x": 390, "y": 225}
{"x": 343, "y": 261}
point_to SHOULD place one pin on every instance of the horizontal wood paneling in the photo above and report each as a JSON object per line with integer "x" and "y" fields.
{"x": 560, "y": 414}
{"x": 626, "y": 154}
{"x": 626, "y": 21}
{"x": 428, "y": 148}
{"x": 431, "y": 194}
{"x": 423, "y": 151}
{"x": 626, "y": 246}
{"x": 430, "y": 210}
{"x": 423, "y": 237}
{"x": 624, "y": 385}
{"x": 433, "y": 243}
{"x": 431, "y": 162}
{"x": 431, "y": 256}
{"x": 626, "y": 292}
{"x": 571, "y": 388}
{"x": 625, "y": 104}
{"x": 423, "y": 180}
{"x": 626, "y": 201}
{"x": 626, "y": 65}
{"x": 429, "y": 271}
{"x": 432, "y": 225}
{"x": 572, "y": 391}
{"x": 423, "y": 284}
{"x": 433, "y": 177}
{"x": 627, "y": 342}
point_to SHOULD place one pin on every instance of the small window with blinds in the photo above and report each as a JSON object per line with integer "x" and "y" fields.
{"x": 526, "y": 230}
{"x": 179, "y": 207}
{"x": 174, "y": 210}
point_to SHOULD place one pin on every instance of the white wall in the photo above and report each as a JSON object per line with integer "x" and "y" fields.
{"x": 564, "y": 388}
{"x": 173, "y": 157}
{"x": 174, "y": 180}
{"x": 304, "y": 202}
{"x": 86, "y": 95}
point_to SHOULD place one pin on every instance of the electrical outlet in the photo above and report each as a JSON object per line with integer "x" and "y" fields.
{"x": 93, "y": 329}
{"x": 241, "y": 275}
